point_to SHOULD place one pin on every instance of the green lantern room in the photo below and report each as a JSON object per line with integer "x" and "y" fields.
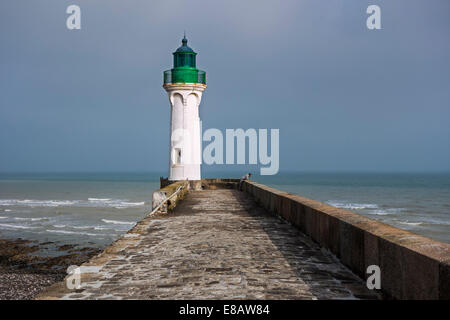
{"x": 184, "y": 67}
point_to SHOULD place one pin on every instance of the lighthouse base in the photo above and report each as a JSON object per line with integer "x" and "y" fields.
{"x": 193, "y": 184}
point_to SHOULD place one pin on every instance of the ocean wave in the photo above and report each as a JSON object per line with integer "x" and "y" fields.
{"x": 36, "y": 203}
{"x": 386, "y": 212}
{"x": 4, "y": 217}
{"x": 117, "y": 222}
{"x": 379, "y": 212}
{"x": 91, "y": 202}
{"x": 115, "y": 203}
{"x": 30, "y": 219}
{"x": 410, "y": 223}
{"x": 344, "y": 205}
{"x": 105, "y": 228}
{"x": 15, "y": 226}
{"x": 124, "y": 204}
{"x": 436, "y": 221}
{"x": 78, "y": 233}
{"x": 64, "y": 226}
{"x": 82, "y": 227}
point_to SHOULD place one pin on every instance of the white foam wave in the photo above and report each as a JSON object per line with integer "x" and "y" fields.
{"x": 344, "y": 205}
{"x": 386, "y": 212}
{"x": 31, "y": 219}
{"x": 82, "y": 227}
{"x": 91, "y": 202}
{"x": 61, "y": 226}
{"x": 117, "y": 222}
{"x": 78, "y": 233}
{"x": 4, "y": 217}
{"x": 410, "y": 223}
{"x": 379, "y": 213}
{"x": 105, "y": 228}
{"x": 114, "y": 203}
{"x": 436, "y": 221}
{"x": 124, "y": 204}
{"x": 36, "y": 203}
{"x": 14, "y": 226}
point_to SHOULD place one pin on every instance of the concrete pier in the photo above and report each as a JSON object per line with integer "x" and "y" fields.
{"x": 411, "y": 266}
{"x": 215, "y": 244}
{"x": 259, "y": 243}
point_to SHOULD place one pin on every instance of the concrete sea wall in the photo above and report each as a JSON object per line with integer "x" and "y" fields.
{"x": 167, "y": 191}
{"x": 168, "y": 188}
{"x": 412, "y": 266}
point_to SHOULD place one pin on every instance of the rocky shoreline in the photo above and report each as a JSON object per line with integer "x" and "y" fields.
{"x": 26, "y": 269}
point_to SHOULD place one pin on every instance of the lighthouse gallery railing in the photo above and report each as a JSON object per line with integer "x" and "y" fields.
{"x": 185, "y": 76}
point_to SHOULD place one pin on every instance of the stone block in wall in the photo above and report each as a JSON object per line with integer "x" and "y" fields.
{"x": 308, "y": 211}
{"x": 315, "y": 225}
{"x": 391, "y": 268}
{"x": 420, "y": 276}
{"x": 273, "y": 200}
{"x": 328, "y": 232}
{"x": 294, "y": 213}
{"x": 332, "y": 234}
{"x": 301, "y": 216}
{"x": 444, "y": 280}
{"x": 286, "y": 207}
{"x": 276, "y": 203}
{"x": 358, "y": 257}
{"x": 371, "y": 255}
{"x": 345, "y": 241}
{"x": 257, "y": 193}
{"x": 351, "y": 246}
{"x": 268, "y": 199}
{"x": 258, "y": 196}
{"x": 322, "y": 228}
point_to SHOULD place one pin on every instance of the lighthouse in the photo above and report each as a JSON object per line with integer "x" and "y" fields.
{"x": 184, "y": 84}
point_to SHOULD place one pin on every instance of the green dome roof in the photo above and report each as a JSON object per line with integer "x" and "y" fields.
{"x": 184, "y": 47}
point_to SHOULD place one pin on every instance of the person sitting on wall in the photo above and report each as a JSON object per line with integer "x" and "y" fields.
{"x": 246, "y": 177}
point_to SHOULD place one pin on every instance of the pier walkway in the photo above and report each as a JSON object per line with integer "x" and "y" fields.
{"x": 216, "y": 244}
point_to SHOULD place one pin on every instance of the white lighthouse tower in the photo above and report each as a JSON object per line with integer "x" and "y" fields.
{"x": 184, "y": 84}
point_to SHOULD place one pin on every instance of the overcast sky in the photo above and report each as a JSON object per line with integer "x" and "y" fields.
{"x": 344, "y": 97}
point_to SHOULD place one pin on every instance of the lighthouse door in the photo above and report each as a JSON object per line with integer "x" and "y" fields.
{"x": 177, "y": 156}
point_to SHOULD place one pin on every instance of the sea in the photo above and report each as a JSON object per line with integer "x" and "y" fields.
{"x": 84, "y": 210}
{"x": 418, "y": 202}
{"x": 94, "y": 209}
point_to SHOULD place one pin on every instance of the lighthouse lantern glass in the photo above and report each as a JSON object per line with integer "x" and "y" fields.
{"x": 184, "y": 67}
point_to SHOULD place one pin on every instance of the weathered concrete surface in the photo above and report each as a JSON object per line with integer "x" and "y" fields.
{"x": 411, "y": 266}
{"x": 167, "y": 193}
{"x": 216, "y": 244}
